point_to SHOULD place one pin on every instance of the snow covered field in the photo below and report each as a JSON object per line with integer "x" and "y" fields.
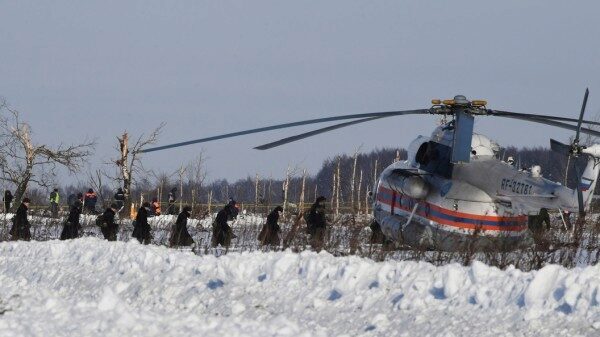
{"x": 90, "y": 287}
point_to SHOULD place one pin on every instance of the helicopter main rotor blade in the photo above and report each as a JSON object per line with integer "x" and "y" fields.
{"x": 500, "y": 113}
{"x": 585, "y": 97}
{"x": 553, "y": 123}
{"x": 314, "y": 133}
{"x": 289, "y": 125}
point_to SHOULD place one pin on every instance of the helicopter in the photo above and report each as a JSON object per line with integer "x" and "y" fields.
{"x": 453, "y": 191}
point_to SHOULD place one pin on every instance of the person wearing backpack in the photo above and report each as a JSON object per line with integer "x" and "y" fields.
{"x": 71, "y": 226}
{"x": 107, "y": 223}
{"x": 180, "y": 235}
{"x": 316, "y": 223}
{"x": 269, "y": 235}
{"x": 20, "y": 228}
{"x": 221, "y": 231}
{"x": 141, "y": 229}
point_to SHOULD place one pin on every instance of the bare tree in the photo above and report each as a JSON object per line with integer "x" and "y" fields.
{"x": 129, "y": 161}
{"x": 95, "y": 180}
{"x": 196, "y": 172}
{"x": 162, "y": 180}
{"x": 22, "y": 161}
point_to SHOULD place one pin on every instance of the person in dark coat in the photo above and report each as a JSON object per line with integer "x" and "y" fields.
{"x": 233, "y": 208}
{"x": 316, "y": 223}
{"x": 8, "y": 198}
{"x": 119, "y": 199}
{"x": 536, "y": 222}
{"x": 71, "y": 227}
{"x": 141, "y": 229}
{"x": 269, "y": 235}
{"x": 110, "y": 227}
{"x": 377, "y": 235}
{"x": 222, "y": 233}
{"x": 180, "y": 235}
{"x": 89, "y": 201}
{"x": 72, "y": 198}
{"x": 20, "y": 228}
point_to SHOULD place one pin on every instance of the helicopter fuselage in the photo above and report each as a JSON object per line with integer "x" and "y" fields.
{"x": 429, "y": 201}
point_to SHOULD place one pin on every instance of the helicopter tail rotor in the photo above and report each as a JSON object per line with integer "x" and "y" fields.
{"x": 574, "y": 150}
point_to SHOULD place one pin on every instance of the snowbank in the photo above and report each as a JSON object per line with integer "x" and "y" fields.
{"x": 90, "y": 287}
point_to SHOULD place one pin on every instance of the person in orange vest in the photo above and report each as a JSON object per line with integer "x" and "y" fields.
{"x": 155, "y": 207}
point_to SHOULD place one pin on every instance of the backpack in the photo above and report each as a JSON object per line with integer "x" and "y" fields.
{"x": 100, "y": 221}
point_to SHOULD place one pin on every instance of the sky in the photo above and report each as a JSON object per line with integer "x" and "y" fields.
{"x": 92, "y": 69}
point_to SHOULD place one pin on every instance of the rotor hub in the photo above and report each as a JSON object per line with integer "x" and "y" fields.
{"x": 459, "y": 102}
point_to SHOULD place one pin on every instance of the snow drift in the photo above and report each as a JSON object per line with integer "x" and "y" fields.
{"x": 90, "y": 287}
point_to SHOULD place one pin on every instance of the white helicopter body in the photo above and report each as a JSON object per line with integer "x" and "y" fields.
{"x": 485, "y": 201}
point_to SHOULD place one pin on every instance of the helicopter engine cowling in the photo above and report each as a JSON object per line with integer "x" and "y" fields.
{"x": 412, "y": 186}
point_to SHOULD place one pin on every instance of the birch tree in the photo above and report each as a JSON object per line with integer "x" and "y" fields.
{"x": 129, "y": 161}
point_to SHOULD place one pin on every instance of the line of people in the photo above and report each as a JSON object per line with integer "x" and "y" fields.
{"x": 89, "y": 201}
{"x": 222, "y": 233}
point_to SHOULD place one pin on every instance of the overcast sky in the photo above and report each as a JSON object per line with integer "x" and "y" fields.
{"x": 92, "y": 69}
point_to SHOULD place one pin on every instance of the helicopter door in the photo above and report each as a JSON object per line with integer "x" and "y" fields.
{"x": 434, "y": 158}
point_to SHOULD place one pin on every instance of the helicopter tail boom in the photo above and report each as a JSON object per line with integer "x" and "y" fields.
{"x": 580, "y": 197}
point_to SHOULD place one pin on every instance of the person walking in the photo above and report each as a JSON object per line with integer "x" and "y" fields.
{"x": 233, "y": 207}
{"x": 316, "y": 223}
{"x": 269, "y": 235}
{"x": 8, "y": 198}
{"x": 54, "y": 200}
{"x": 20, "y": 229}
{"x": 71, "y": 227}
{"x": 141, "y": 229}
{"x": 222, "y": 233}
{"x": 108, "y": 226}
{"x": 180, "y": 235}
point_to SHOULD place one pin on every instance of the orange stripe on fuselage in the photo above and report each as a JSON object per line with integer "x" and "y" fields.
{"x": 519, "y": 219}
